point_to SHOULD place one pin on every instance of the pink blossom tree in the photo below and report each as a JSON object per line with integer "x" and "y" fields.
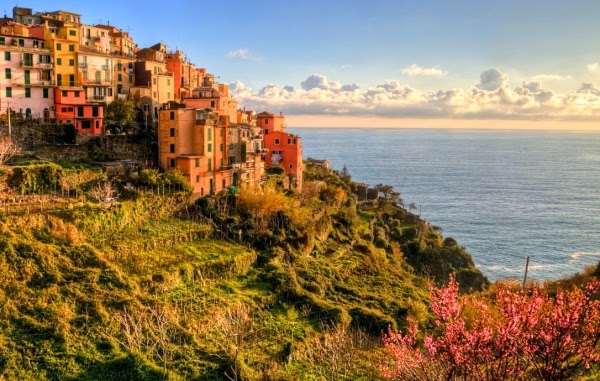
{"x": 516, "y": 335}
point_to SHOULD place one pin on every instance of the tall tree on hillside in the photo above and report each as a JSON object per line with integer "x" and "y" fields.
{"x": 119, "y": 114}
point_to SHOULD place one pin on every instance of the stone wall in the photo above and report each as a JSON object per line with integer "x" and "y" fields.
{"x": 45, "y": 141}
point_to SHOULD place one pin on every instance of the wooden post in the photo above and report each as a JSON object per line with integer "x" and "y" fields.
{"x": 526, "y": 269}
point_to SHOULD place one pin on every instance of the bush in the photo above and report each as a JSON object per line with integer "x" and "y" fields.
{"x": 36, "y": 178}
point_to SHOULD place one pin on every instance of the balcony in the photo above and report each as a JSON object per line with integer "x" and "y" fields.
{"x": 96, "y": 99}
{"x": 32, "y": 82}
{"x": 95, "y": 82}
{"x": 82, "y": 65}
{"x": 36, "y": 65}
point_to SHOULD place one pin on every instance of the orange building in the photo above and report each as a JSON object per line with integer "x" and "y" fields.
{"x": 213, "y": 96}
{"x": 184, "y": 72}
{"x": 212, "y": 154}
{"x": 195, "y": 142}
{"x": 284, "y": 149}
{"x": 270, "y": 122}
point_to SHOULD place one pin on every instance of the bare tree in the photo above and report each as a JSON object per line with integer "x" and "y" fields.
{"x": 105, "y": 193}
{"x": 337, "y": 355}
{"x": 236, "y": 327}
{"x": 8, "y": 149}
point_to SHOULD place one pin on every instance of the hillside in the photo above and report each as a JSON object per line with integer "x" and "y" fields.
{"x": 260, "y": 285}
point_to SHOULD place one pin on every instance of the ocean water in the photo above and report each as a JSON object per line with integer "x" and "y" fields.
{"x": 503, "y": 195}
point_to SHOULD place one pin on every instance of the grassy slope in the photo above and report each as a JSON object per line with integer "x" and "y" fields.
{"x": 145, "y": 290}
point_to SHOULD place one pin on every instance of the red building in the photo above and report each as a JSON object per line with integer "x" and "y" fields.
{"x": 72, "y": 108}
{"x": 285, "y": 150}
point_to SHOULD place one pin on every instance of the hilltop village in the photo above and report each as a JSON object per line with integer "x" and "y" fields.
{"x": 60, "y": 72}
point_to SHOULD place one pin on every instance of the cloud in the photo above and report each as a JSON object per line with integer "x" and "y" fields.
{"x": 492, "y": 79}
{"x": 491, "y": 98}
{"x": 242, "y": 54}
{"x": 551, "y": 77}
{"x": 415, "y": 70}
{"x": 593, "y": 67}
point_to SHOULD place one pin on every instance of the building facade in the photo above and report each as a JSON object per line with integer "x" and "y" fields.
{"x": 26, "y": 78}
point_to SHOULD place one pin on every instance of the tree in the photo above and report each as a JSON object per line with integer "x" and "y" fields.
{"x": 519, "y": 335}
{"x": 389, "y": 193}
{"x": 119, "y": 113}
{"x": 8, "y": 149}
{"x": 345, "y": 174}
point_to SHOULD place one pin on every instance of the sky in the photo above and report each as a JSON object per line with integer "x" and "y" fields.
{"x": 392, "y": 63}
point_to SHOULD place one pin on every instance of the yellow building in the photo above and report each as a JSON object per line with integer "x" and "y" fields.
{"x": 64, "y": 43}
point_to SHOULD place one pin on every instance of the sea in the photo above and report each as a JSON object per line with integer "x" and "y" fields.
{"x": 504, "y": 195}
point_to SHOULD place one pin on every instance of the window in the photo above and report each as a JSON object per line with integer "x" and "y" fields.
{"x": 266, "y": 121}
{"x": 72, "y": 32}
{"x": 77, "y": 94}
{"x": 21, "y": 42}
{"x": 154, "y": 94}
{"x": 212, "y": 104}
{"x": 209, "y": 165}
{"x": 168, "y": 95}
{"x": 209, "y": 148}
{"x": 168, "y": 82}
{"x": 6, "y": 56}
{"x": 95, "y": 111}
{"x": 71, "y": 79}
{"x": 209, "y": 133}
{"x": 172, "y": 163}
{"x": 71, "y": 48}
{"x": 58, "y": 46}
{"x": 197, "y": 178}
{"x": 291, "y": 166}
{"x": 223, "y": 184}
{"x": 27, "y": 92}
{"x": 7, "y": 73}
{"x": 197, "y": 163}
{"x": 172, "y": 148}
{"x": 2, "y": 41}
{"x": 221, "y": 164}
{"x": 131, "y": 79}
{"x": 119, "y": 65}
{"x": 65, "y": 93}
{"x": 221, "y": 132}
{"x": 172, "y": 115}
{"x": 59, "y": 61}
{"x": 8, "y": 92}
{"x": 120, "y": 77}
{"x": 71, "y": 62}
{"x": 45, "y": 92}
{"x": 59, "y": 79}
{"x": 276, "y": 140}
{"x": 172, "y": 133}
{"x": 84, "y": 73}
{"x": 80, "y": 112}
{"x": 154, "y": 81}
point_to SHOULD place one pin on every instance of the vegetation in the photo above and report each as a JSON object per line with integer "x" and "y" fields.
{"x": 515, "y": 335}
{"x": 107, "y": 282}
{"x": 119, "y": 115}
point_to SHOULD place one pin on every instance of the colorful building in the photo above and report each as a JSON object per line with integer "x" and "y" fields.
{"x": 73, "y": 108}
{"x": 154, "y": 85}
{"x": 96, "y": 74}
{"x": 215, "y": 97}
{"x": 25, "y": 74}
{"x": 184, "y": 72}
{"x": 284, "y": 149}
